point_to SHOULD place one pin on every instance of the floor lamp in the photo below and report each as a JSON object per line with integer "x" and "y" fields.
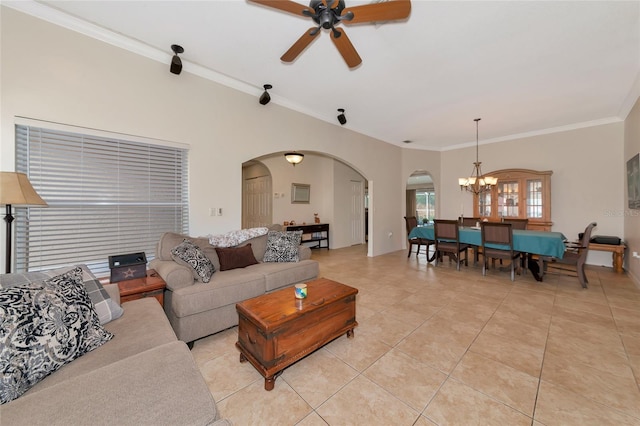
{"x": 16, "y": 190}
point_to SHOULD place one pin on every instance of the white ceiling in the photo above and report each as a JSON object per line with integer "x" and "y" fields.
{"x": 524, "y": 67}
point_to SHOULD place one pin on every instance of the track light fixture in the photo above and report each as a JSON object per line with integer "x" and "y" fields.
{"x": 341, "y": 118}
{"x": 265, "y": 97}
{"x": 176, "y": 63}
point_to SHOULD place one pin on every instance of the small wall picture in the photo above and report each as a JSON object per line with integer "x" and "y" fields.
{"x": 300, "y": 193}
{"x": 633, "y": 182}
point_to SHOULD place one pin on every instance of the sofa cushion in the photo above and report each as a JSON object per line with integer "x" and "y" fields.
{"x": 143, "y": 326}
{"x": 259, "y": 244}
{"x": 191, "y": 255}
{"x": 161, "y": 386}
{"x": 225, "y": 288}
{"x": 45, "y": 326}
{"x": 106, "y": 308}
{"x": 235, "y": 257}
{"x": 279, "y": 275}
{"x": 282, "y": 246}
{"x": 169, "y": 240}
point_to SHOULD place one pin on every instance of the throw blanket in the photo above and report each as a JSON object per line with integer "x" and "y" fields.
{"x": 233, "y": 238}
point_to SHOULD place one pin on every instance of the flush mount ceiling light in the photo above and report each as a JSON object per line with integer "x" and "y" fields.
{"x": 265, "y": 97}
{"x": 294, "y": 157}
{"x": 341, "y": 118}
{"x": 477, "y": 183}
{"x": 176, "y": 63}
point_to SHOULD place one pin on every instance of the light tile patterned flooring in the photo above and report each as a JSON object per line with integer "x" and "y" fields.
{"x": 435, "y": 346}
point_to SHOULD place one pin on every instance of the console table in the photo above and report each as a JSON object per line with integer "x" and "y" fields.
{"x": 316, "y": 232}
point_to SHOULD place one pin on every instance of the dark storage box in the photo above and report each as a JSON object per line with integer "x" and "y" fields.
{"x": 605, "y": 239}
{"x": 128, "y": 266}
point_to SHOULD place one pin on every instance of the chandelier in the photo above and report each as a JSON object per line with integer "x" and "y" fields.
{"x": 477, "y": 183}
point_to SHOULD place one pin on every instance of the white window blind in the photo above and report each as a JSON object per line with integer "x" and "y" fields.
{"x": 106, "y": 197}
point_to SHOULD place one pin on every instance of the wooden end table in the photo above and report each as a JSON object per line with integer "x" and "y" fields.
{"x": 150, "y": 286}
{"x": 276, "y": 329}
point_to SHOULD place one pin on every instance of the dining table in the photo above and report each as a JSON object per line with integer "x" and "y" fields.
{"x": 545, "y": 244}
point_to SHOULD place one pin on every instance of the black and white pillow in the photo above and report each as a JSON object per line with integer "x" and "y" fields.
{"x": 44, "y": 326}
{"x": 193, "y": 256}
{"x": 106, "y": 308}
{"x": 282, "y": 246}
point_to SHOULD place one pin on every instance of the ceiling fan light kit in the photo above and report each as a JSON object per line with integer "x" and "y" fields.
{"x": 341, "y": 118}
{"x": 176, "y": 62}
{"x": 265, "y": 98}
{"x": 329, "y": 13}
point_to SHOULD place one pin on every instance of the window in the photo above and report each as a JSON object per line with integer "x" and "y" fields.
{"x": 106, "y": 196}
{"x": 425, "y": 205}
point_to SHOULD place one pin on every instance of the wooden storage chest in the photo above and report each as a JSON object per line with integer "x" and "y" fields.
{"x": 276, "y": 329}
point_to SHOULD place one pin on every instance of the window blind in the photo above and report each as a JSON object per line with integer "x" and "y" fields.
{"x": 105, "y": 197}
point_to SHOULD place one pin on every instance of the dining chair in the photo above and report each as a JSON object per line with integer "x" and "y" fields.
{"x": 520, "y": 224}
{"x": 576, "y": 255}
{"x": 447, "y": 235}
{"x": 517, "y": 223}
{"x": 411, "y": 222}
{"x": 498, "y": 234}
{"x": 468, "y": 221}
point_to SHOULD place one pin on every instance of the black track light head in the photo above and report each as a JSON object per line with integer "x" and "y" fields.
{"x": 341, "y": 118}
{"x": 176, "y": 62}
{"x": 265, "y": 97}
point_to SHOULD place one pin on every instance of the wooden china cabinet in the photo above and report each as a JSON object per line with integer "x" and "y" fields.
{"x": 519, "y": 193}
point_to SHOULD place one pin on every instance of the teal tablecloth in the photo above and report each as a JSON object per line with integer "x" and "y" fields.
{"x": 535, "y": 242}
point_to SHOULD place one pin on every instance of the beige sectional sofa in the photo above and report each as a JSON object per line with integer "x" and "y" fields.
{"x": 142, "y": 376}
{"x": 197, "y": 309}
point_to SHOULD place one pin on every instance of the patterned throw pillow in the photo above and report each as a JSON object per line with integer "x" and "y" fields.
{"x": 106, "y": 308}
{"x": 43, "y": 327}
{"x": 191, "y": 255}
{"x": 282, "y": 246}
{"x": 236, "y": 257}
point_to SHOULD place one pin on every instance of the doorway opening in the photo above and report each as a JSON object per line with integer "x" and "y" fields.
{"x": 421, "y": 197}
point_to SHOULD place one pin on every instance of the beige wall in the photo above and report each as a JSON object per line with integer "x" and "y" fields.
{"x": 631, "y": 217}
{"x": 92, "y": 84}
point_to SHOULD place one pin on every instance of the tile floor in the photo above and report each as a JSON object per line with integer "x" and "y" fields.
{"x": 435, "y": 346}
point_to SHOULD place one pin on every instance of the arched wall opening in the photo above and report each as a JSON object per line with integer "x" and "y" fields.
{"x": 338, "y": 195}
{"x": 421, "y": 196}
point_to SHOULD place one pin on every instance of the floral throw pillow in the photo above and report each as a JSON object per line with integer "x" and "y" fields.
{"x": 193, "y": 256}
{"x": 43, "y": 326}
{"x": 282, "y": 246}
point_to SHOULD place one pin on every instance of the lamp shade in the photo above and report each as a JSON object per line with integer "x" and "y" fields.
{"x": 16, "y": 190}
{"x": 294, "y": 157}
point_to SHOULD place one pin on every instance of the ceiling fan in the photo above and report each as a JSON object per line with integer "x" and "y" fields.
{"x": 328, "y": 13}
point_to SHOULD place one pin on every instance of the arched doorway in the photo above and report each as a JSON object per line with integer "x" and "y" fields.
{"x": 421, "y": 197}
{"x": 337, "y": 195}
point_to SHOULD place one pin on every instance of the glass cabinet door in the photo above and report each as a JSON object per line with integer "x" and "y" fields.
{"x": 484, "y": 204}
{"x": 534, "y": 198}
{"x": 508, "y": 200}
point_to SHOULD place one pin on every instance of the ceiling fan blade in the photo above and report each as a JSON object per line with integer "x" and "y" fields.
{"x": 286, "y": 6}
{"x": 300, "y": 45}
{"x": 377, "y": 12}
{"x": 346, "y": 49}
